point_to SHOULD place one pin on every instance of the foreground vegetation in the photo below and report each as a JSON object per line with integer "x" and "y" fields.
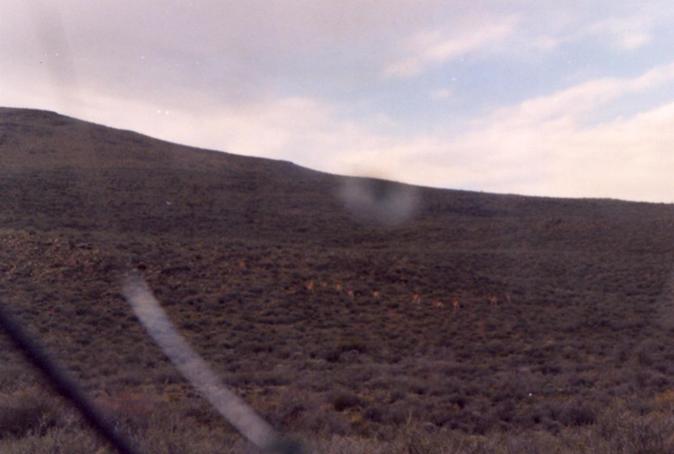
{"x": 36, "y": 423}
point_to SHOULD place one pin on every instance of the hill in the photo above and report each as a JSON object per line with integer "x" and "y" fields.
{"x": 335, "y": 305}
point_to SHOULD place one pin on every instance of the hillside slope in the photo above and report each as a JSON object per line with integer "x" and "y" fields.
{"x": 367, "y": 302}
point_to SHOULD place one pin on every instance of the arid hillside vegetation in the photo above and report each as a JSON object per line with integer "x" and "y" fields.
{"x": 359, "y": 315}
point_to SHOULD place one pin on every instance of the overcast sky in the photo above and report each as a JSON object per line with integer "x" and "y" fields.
{"x": 541, "y": 97}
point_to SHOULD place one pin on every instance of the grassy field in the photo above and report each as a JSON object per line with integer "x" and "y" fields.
{"x": 478, "y": 323}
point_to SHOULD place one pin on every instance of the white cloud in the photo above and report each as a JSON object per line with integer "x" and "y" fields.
{"x": 429, "y": 48}
{"x": 578, "y": 100}
{"x": 626, "y": 33}
{"x": 545, "y": 146}
{"x": 546, "y": 42}
{"x": 225, "y": 52}
{"x": 635, "y": 40}
{"x": 440, "y": 94}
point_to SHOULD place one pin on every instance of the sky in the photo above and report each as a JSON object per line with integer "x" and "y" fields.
{"x": 540, "y": 97}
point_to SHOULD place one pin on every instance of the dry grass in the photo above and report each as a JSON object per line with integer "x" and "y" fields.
{"x": 172, "y": 428}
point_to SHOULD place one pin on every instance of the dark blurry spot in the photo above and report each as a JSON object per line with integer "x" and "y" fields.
{"x": 379, "y": 201}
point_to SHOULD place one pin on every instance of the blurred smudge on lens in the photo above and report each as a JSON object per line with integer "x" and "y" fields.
{"x": 379, "y": 201}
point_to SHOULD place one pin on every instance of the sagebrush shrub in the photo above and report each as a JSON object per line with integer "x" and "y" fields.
{"x": 26, "y": 411}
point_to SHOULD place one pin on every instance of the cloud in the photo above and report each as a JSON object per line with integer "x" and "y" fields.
{"x": 440, "y": 94}
{"x": 430, "y": 48}
{"x": 218, "y": 52}
{"x": 625, "y": 33}
{"x": 554, "y": 144}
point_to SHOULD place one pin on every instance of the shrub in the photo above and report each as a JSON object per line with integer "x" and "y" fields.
{"x": 27, "y": 410}
{"x": 343, "y": 400}
{"x": 577, "y": 413}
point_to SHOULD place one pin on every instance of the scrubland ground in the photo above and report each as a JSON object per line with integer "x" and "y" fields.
{"x": 36, "y": 423}
{"x": 351, "y": 354}
{"x": 483, "y": 323}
